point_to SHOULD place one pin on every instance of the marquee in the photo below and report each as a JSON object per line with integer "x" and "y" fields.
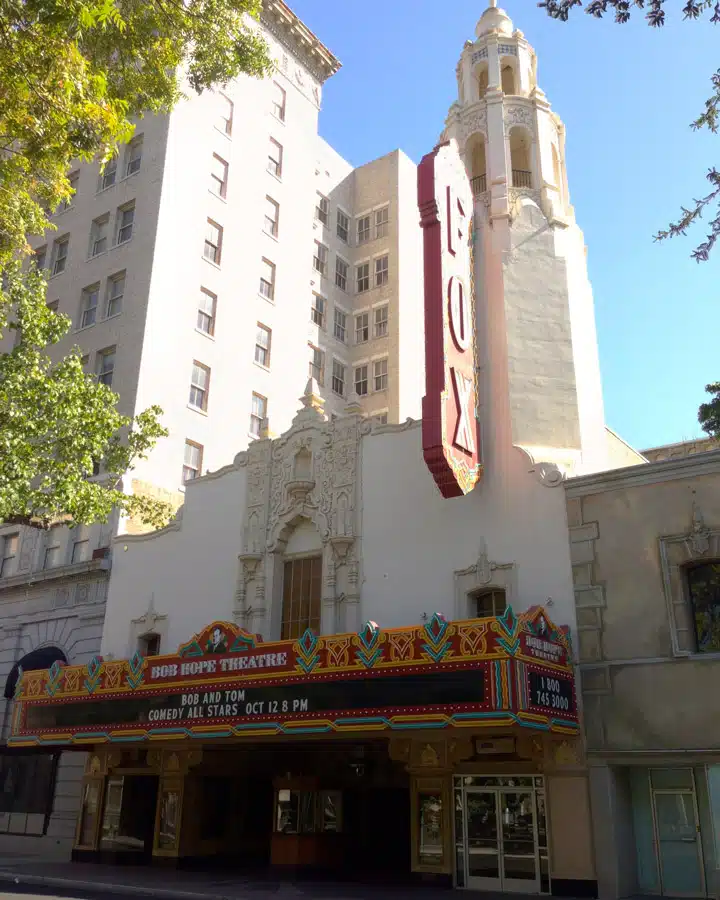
{"x": 228, "y": 683}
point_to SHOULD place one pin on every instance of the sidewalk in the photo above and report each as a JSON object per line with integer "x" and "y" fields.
{"x": 170, "y": 884}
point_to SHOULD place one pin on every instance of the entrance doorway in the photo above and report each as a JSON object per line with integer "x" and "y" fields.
{"x": 501, "y": 834}
{"x": 677, "y": 832}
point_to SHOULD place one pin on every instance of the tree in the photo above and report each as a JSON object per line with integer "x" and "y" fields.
{"x": 57, "y": 423}
{"x": 709, "y": 413}
{"x": 710, "y": 118}
{"x": 74, "y": 74}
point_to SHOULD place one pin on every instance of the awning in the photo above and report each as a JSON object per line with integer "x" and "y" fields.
{"x": 228, "y": 683}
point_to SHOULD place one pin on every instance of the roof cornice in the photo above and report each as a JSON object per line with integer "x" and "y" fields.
{"x": 648, "y": 473}
{"x": 293, "y": 34}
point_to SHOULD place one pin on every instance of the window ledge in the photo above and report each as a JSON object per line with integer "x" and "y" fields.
{"x": 211, "y": 263}
{"x": 217, "y": 196}
{"x": 97, "y": 255}
{"x": 124, "y": 243}
{"x": 203, "y": 412}
{"x": 277, "y": 119}
{"x": 55, "y": 572}
{"x": 84, "y": 327}
{"x": 113, "y": 316}
{"x": 261, "y": 366}
{"x": 270, "y": 300}
{"x": 271, "y": 236}
{"x": 210, "y": 337}
{"x": 277, "y": 178}
{"x": 118, "y": 181}
{"x": 56, "y": 274}
{"x": 228, "y": 137}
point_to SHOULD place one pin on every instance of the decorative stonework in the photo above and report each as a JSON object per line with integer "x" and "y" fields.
{"x": 483, "y": 573}
{"x": 700, "y": 542}
{"x": 518, "y": 114}
{"x": 309, "y": 473}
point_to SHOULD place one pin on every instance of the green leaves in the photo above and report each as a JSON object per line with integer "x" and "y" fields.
{"x": 709, "y": 413}
{"x": 56, "y": 421}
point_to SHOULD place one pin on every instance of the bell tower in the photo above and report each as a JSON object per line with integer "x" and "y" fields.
{"x": 540, "y": 388}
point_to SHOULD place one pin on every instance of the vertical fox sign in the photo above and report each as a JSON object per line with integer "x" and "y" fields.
{"x": 451, "y": 440}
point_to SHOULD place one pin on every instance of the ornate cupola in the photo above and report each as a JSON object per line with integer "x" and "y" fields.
{"x": 540, "y": 390}
{"x": 512, "y": 142}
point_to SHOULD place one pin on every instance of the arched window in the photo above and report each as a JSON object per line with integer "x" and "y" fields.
{"x": 42, "y": 658}
{"x": 476, "y": 163}
{"x": 704, "y": 590}
{"x": 482, "y": 78}
{"x": 520, "y": 158}
{"x": 507, "y": 79}
{"x": 487, "y": 603}
{"x": 149, "y": 644}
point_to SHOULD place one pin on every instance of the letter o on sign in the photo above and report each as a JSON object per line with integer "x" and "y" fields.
{"x": 459, "y": 310}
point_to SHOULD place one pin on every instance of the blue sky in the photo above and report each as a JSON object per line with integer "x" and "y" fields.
{"x": 627, "y": 95}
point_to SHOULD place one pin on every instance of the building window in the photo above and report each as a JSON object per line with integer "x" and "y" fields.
{"x": 258, "y": 414}
{"x": 317, "y": 364}
{"x": 207, "y": 303}
{"x": 487, "y": 604}
{"x": 60, "y": 254}
{"x": 322, "y": 209}
{"x": 338, "y": 378}
{"x": 51, "y": 557}
{"x": 381, "y": 322}
{"x": 40, "y": 255}
{"x": 278, "y": 102}
{"x": 115, "y": 294}
{"x": 109, "y": 173}
{"x": 98, "y": 235}
{"x": 361, "y": 381}
{"x": 74, "y": 179}
{"x": 133, "y": 156}
{"x": 149, "y": 645}
{"x": 381, "y": 419}
{"x": 362, "y": 328}
{"x": 381, "y": 271}
{"x": 302, "y": 584}
{"x": 80, "y": 545}
{"x": 340, "y": 324}
{"x": 275, "y": 158}
{"x": 272, "y": 217}
{"x": 27, "y": 786}
{"x": 227, "y": 108}
{"x": 362, "y": 277}
{"x": 341, "y": 273}
{"x": 363, "y": 229}
{"x": 320, "y": 259}
{"x": 9, "y": 554}
{"x": 704, "y": 589}
{"x": 106, "y": 366}
{"x": 267, "y": 279}
{"x": 343, "y": 226}
{"x": 218, "y": 175}
{"x": 89, "y": 305}
{"x": 126, "y": 219}
{"x": 213, "y": 242}
{"x": 380, "y": 375}
{"x": 381, "y": 222}
{"x": 192, "y": 461}
{"x": 263, "y": 337}
{"x": 199, "y": 386}
{"x": 317, "y": 310}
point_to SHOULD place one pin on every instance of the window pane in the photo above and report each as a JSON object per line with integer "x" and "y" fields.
{"x": 704, "y": 587}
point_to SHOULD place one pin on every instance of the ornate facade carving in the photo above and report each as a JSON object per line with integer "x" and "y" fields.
{"x": 519, "y": 114}
{"x": 483, "y": 573}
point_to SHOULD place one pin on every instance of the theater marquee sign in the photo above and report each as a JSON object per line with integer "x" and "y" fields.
{"x": 451, "y": 441}
{"x": 227, "y": 683}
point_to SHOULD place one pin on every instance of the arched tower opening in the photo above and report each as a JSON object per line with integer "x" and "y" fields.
{"x": 508, "y": 77}
{"x": 557, "y": 172}
{"x": 476, "y": 162}
{"x": 482, "y": 79}
{"x": 521, "y": 158}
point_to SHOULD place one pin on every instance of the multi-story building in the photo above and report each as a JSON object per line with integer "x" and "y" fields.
{"x": 224, "y": 256}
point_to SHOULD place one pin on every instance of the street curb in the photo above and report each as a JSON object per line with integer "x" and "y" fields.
{"x": 128, "y": 890}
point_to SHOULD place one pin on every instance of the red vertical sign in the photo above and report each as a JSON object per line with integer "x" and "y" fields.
{"x": 451, "y": 439}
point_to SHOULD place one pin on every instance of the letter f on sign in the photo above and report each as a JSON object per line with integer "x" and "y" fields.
{"x": 466, "y": 412}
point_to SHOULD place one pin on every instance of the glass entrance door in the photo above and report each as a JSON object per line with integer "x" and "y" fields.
{"x": 678, "y": 837}
{"x": 501, "y": 840}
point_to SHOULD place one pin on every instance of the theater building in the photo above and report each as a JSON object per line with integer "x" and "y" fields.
{"x": 352, "y": 649}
